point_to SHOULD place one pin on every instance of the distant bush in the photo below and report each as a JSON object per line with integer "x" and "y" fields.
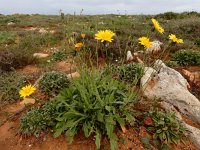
{"x": 35, "y": 40}
{"x": 7, "y": 37}
{"x": 4, "y": 19}
{"x": 192, "y": 13}
{"x": 53, "y": 82}
{"x": 38, "y": 120}
{"x": 173, "y": 15}
{"x": 168, "y": 15}
{"x": 187, "y": 57}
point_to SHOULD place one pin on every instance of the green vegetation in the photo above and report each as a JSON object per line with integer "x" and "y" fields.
{"x": 166, "y": 127}
{"x": 172, "y": 63}
{"x": 38, "y": 120}
{"x": 131, "y": 73}
{"x": 197, "y": 42}
{"x": 10, "y": 85}
{"x": 7, "y": 37}
{"x": 53, "y": 82}
{"x": 187, "y": 57}
{"x": 16, "y": 58}
{"x": 94, "y": 104}
{"x": 58, "y": 56}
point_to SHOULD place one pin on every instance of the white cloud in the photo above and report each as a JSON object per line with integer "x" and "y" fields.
{"x": 97, "y": 6}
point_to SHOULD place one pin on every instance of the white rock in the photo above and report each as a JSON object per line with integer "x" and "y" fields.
{"x": 40, "y": 55}
{"x": 52, "y": 31}
{"x": 101, "y": 22}
{"x": 129, "y": 56}
{"x": 43, "y": 31}
{"x": 73, "y": 75}
{"x": 155, "y": 47}
{"x": 10, "y": 23}
{"x": 170, "y": 86}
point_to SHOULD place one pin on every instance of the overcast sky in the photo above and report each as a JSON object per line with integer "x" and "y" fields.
{"x": 97, "y": 6}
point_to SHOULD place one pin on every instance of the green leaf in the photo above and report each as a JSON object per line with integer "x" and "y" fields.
{"x": 70, "y": 134}
{"x": 98, "y": 139}
{"x": 146, "y": 143}
{"x": 87, "y": 128}
{"x": 108, "y": 108}
{"x": 165, "y": 147}
{"x": 100, "y": 117}
{"x": 109, "y": 125}
{"x": 58, "y": 132}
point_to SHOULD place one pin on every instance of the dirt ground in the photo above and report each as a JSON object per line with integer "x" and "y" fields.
{"x": 10, "y": 139}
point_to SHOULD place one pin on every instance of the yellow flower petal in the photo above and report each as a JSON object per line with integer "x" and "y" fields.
{"x": 145, "y": 42}
{"x": 78, "y": 46}
{"x": 27, "y": 91}
{"x": 83, "y": 35}
{"x": 106, "y": 35}
{"x": 157, "y": 26}
{"x": 175, "y": 39}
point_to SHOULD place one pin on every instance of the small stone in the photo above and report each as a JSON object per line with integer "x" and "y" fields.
{"x": 27, "y": 101}
{"x": 40, "y": 55}
{"x": 52, "y": 31}
{"x": 73, "y": 75}
{"x": 10, "y": 23}
{"x": 43, "y": 31}
{"x": 129, "y": 56}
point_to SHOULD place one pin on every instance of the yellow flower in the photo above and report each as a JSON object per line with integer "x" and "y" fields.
{"x": 83, "y": 35}
{"x": 27, "y": 91}
{"x": 145, "y": 41}
{"x": 78, "y": 46}
{"x": 157, "y": 26}
{"x": 175, "y": 39}
{"x": 106, "y": 35}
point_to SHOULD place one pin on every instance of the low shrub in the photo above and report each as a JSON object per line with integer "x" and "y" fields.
{"x": 10, "y": 83}
{"x": 7, "y": 37}
{"x": 165, "y": 126}
{"x": 58, "y": 56}
{"x": 187, "y": 57}
{"x": 131, "y": 73}
{"x": 15, "y": 58}
{"x": 95, "y": 104}
{"x": 111, "y": 69}
{"x": 53, "y": 82}
{"x": 38, "y": 119}
{"x": 172, "y": 63}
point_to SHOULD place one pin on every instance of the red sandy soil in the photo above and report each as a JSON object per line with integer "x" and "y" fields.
{"x": 30, "y": 69}
{"x": 65, "y": 66}
{"x": 11, "y": 139}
